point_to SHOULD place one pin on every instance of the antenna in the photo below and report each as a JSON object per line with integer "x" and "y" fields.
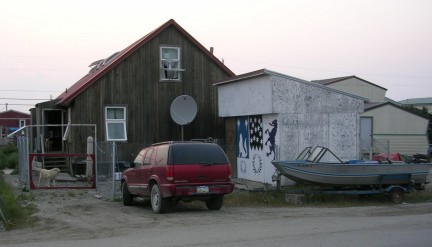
{"x": 183, "y": 110}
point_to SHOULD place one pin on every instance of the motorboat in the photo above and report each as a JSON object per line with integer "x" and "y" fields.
{"x": 320, "y": 166}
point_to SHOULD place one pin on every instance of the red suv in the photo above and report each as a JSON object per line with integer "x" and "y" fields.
{"x": 172, "y": 171}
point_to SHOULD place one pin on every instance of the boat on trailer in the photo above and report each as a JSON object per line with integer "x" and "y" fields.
{"x": 319, "y": 166}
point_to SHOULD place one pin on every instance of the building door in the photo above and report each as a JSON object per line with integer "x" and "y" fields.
{"x": 366, "y": 134}
{"x": 52, "y": 132}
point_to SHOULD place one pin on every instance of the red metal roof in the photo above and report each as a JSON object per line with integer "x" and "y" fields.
{"x": 14, "y": 114}
{"x": 66, "y": 97}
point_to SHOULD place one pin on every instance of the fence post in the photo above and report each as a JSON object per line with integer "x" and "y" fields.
{"x": 114, "y": 158}
{"x": 23, "y": 162}
{"x": 89, "y": 160}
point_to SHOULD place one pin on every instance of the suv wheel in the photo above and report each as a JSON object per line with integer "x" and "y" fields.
{"x": 159, "y": 204}
{"x": 127, "y": 197}
{"x": 214, "y": 203}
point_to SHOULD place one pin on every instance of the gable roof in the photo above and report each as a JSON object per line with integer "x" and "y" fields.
{"x": 103, "y": 66}
{"x": 338, "y": 79}
{"x": 375, "y": 105}
{"x": 263, "y": 72}
{"x": 14, "y": 114}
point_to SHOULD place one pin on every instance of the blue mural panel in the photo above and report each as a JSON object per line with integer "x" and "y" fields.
{"x": 242, "y": 137}
{"x": 271, "y": 139}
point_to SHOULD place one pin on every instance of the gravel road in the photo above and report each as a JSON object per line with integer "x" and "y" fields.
{"x": 73, "y": 218}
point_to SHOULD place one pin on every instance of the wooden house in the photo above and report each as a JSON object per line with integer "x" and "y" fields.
{"x": 128, "y": 94}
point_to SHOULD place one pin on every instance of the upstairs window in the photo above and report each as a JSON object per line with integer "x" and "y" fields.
{"x": 115, "y": 123}
{"x": 170, "y": 69}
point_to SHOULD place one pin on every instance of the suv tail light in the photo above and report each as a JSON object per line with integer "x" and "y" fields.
{"x": 229, "y": 172}
{"x": 170, "y": 173}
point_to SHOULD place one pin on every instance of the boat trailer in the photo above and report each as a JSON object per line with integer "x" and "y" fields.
{"x": 395, "y": 192}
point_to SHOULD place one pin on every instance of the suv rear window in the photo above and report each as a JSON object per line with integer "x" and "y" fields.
{"x": 162, "y": 154}
{"x": 197, "y": 153}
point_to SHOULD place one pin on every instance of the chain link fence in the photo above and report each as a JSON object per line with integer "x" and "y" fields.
{"x": 112, "y": 159}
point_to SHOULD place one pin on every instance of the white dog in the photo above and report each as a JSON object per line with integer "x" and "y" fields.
{"x": 48, "y": 175}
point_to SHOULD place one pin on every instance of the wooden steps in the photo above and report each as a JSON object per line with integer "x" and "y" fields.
{"x": 59, "y": 162}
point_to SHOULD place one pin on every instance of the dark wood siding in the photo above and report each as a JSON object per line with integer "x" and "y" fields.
{"x": 231, "y": 143}
{"x": 134, "y": 83}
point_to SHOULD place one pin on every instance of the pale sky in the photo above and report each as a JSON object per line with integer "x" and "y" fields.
{"x": 46, "y": 46}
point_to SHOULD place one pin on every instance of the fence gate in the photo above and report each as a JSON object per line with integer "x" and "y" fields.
{"x": 57, "y": 156}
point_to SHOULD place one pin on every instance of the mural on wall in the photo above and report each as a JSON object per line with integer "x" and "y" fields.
{"x": 343, "y": 135}
{"x": 262, "y": 135}
{"x": 313, "y": 115}
{"x": 256, "y": 132}
{"x": 243, "y": 137}
{"x": 271, "y": 140}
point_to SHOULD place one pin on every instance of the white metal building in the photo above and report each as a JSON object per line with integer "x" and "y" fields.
{"x": 274, "y": 116}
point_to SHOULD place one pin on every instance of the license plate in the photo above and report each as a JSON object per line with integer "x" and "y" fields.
{"x": 202, "y": 189}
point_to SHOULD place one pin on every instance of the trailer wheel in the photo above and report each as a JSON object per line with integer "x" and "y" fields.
{"x": 397, "y": 195}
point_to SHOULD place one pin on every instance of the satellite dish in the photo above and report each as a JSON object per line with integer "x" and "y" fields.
{"x": 183, "y": 109}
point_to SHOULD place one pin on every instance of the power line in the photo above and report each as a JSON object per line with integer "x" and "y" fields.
{"x": 26, "y": 90}
{"x": 326, "y": 70}
{"x": 69, "y": 57}
{"x": 41, "y": 69}
{"x": 17, "y": 104}
{"x": 22, "y": 99}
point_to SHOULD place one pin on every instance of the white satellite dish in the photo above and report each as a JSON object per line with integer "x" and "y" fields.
{"x": 183, "y": 109}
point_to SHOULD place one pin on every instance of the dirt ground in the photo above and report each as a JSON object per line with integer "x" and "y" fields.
{"x": 81, "y": 214}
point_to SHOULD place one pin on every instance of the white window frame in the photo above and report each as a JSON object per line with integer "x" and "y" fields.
{"x": 170, "y": 68}
{"x": 109, "y": 121}
{"x": 22, "y": 123}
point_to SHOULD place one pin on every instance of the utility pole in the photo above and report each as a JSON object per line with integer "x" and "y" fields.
{"x": 6, "y": 106}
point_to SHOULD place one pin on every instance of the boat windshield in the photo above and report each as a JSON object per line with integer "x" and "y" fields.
{"x": 323, "y": 155}
{"x": 304, "y": 154}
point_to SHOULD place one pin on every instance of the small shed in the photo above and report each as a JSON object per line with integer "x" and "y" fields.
{"x": 10, "y": 121}
{"x": 272, "y": 116}
{"x": 394, "y": 127}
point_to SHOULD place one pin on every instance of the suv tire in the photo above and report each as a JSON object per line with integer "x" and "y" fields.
{"x": 127, "y": 197}
{"x": 214, "y": 203}
{"x": 158, "y": 203}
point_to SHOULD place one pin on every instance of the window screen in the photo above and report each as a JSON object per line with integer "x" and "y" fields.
{"x": 115, "y": 123}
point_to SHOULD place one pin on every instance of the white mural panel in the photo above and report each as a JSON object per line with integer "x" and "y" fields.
{"x": 289, "y": 133}
{"x": 343, "y": 135}
{"x": 313, "y": 130}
